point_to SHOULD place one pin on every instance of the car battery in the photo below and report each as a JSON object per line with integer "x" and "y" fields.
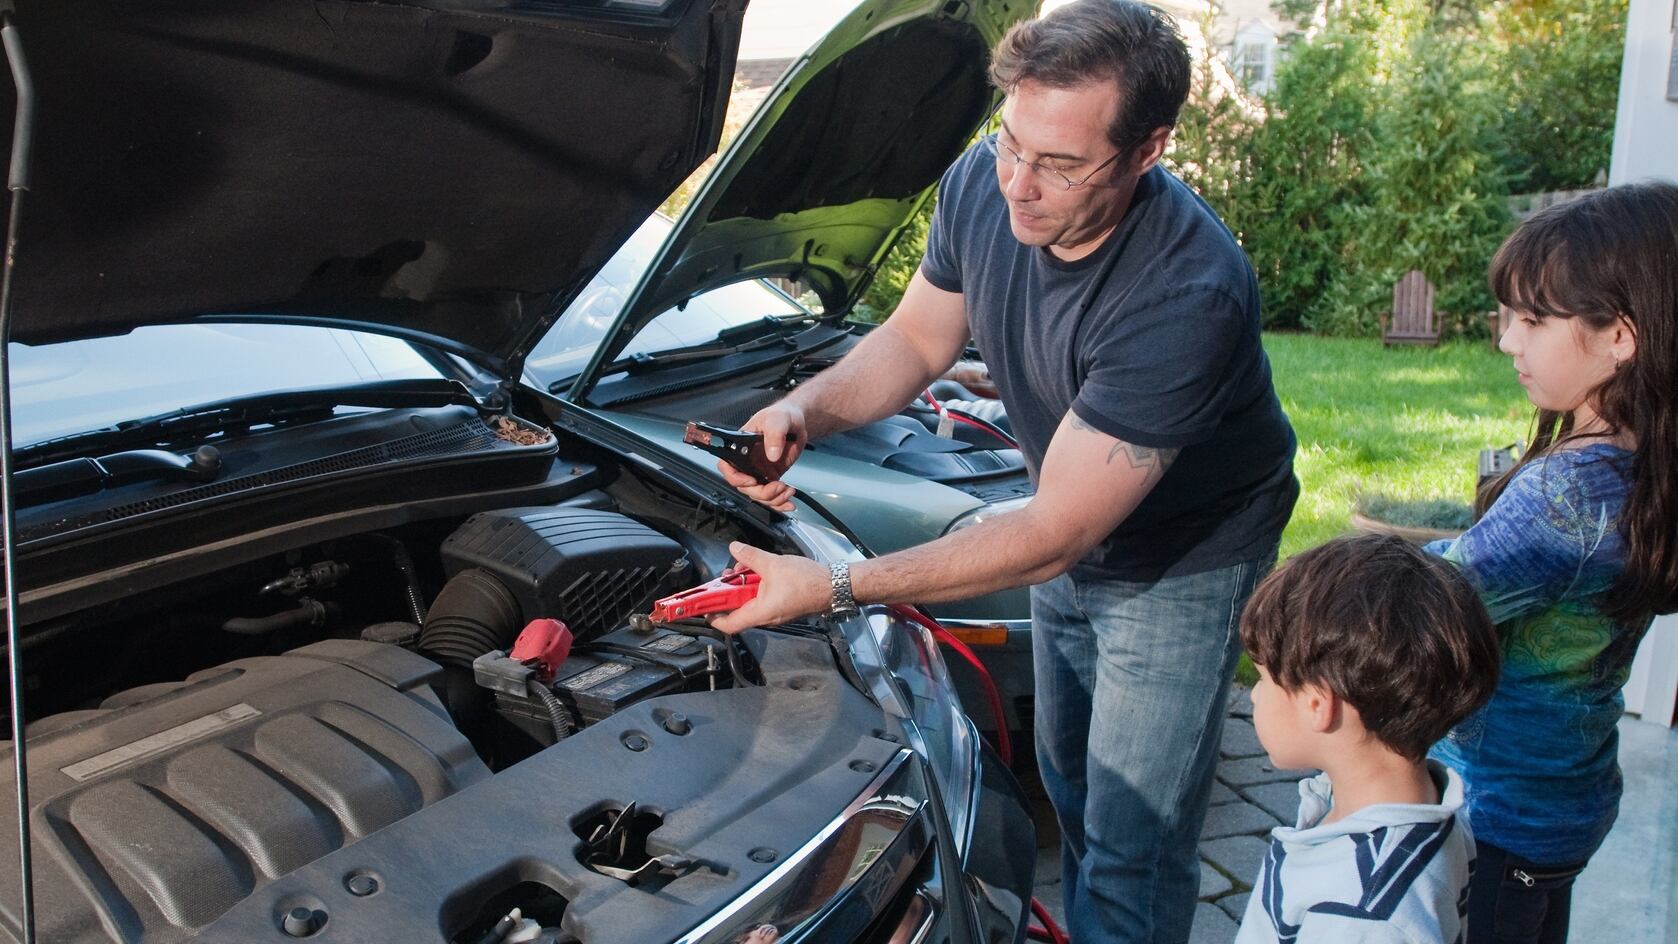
{"x": 609, "y": 673}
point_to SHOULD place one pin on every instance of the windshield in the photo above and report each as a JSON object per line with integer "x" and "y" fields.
{"x": 75, "y": 386}
{"x": 565, "y": 350}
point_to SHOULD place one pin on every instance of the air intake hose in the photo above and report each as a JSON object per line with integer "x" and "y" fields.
{"x": 473, "y": 614}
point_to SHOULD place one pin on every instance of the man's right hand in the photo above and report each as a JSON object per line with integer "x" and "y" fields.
{"x": 775, "y": 423}
{"x": 876, "y": 378}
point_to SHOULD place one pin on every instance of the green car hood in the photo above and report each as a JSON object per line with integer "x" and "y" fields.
{"x": 836, "y": 162}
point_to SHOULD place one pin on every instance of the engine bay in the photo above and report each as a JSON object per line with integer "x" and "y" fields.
{"x": 201, "y": 749}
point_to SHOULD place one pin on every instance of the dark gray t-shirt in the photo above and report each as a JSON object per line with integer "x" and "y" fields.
{"x": 1152, "y": 338}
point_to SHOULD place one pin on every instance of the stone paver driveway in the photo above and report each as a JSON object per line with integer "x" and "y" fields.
{"x": 1628, "y": 895}
{"x": 1249, "y": 798}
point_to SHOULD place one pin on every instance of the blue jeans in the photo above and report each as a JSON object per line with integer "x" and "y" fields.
{"x": 1132, "y": 681}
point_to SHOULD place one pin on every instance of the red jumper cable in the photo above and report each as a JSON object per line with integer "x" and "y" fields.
{"x": 972, "y": 421}
{"x": 733, "y": 589}
{"x": 738, "y": 585}
{"x": 1047, "y": 930}
{"x": 1004, "y": 749}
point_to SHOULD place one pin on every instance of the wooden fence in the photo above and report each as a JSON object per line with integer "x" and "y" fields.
{"x": 1523, "y": 205}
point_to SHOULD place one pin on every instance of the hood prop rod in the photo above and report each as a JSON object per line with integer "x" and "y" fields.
{"x": 17, "y": 182}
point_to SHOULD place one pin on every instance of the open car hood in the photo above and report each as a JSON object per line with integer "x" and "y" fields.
{"x": 452, "y": 171}
{"x": 834, "y": 164}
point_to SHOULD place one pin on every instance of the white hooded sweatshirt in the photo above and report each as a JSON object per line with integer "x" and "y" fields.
{"x": 1393, "y": 873}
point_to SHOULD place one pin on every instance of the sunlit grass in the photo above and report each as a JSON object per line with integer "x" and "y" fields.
{"x": 1408, "y": 422}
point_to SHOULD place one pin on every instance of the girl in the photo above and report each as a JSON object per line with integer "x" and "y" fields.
{"x": 1577, "y": 548}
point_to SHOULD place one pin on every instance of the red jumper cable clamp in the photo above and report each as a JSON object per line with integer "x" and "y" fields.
{"x": 734, "y": 589}
{"x": 741, "y": 449}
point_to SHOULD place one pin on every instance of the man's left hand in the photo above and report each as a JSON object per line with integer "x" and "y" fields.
{"x": 788, "y": 587}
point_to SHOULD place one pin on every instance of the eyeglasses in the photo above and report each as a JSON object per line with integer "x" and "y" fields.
{"x": 1007, "y": 155}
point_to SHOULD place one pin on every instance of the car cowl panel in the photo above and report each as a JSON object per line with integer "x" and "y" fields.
{"x": 447, "y": 171}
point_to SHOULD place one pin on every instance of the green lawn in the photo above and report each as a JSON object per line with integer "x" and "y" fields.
{"x": 1404, "y": 421}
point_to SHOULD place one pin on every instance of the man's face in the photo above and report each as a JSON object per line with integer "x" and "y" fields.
{"x": 1064, "y": 129}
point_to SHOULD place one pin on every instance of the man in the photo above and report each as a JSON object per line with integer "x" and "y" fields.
{"x": 1120, "y": 321}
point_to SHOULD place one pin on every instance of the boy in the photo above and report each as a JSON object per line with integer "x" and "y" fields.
{"x": 1368, "y": 651}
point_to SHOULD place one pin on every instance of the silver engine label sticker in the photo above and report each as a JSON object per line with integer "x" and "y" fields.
{"x": 157, "y": 743}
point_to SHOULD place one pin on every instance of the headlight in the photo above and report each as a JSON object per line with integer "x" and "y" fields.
{"x": 950, "y": 742}
{"x": 987, "y": 512}
{"x": 901, "y": 664}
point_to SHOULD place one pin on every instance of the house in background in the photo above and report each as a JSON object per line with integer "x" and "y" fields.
{"x": 1245, "y": 34}
{"x": 775, "y": 34}
{"x": 1252, "y": 55}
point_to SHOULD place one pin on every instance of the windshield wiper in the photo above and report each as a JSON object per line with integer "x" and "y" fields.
{"x": 767, "y": 331}
{"x": 284, "y": 408}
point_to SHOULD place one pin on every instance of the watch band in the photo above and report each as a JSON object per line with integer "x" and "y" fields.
{"x": 842, "y": 603}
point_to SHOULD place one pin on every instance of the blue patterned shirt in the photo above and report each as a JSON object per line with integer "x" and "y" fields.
{"x": 1539, "y": 758}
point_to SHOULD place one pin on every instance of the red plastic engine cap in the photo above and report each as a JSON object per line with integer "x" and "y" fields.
{"x": 547, "y": 641}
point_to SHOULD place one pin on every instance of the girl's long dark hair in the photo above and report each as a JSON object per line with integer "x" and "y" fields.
{"x": 1604, "y": 256}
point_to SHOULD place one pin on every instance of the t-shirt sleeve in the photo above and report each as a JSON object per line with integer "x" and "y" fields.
{"x": 1160, "y": 376}
{"x": 941, "y": 264}
{"x": 1533, "y": 543}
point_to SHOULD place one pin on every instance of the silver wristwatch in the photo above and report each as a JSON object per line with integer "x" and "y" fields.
{"x": 842, "y": 604}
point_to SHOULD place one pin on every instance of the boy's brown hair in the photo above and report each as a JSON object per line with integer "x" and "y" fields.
{"x": 1392, "y": 630}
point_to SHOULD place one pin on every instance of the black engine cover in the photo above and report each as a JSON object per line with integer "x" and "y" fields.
{"x": 152, "y": 819}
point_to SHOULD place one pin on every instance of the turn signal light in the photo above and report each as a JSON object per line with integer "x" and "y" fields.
{"x": 994, "y": 635}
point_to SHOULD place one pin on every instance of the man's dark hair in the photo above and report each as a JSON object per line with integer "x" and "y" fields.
{"x": 1392, "y": 630}
{"x": 1131, "y": 44}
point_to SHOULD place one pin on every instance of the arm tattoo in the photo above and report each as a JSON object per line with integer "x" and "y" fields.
{"x": 1139, "y": 457}
{"x": 1143, "y": 457}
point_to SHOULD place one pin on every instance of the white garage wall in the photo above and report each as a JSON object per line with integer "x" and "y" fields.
{"x": 1646, "y": 146}
{"x": 1646, "y": 126}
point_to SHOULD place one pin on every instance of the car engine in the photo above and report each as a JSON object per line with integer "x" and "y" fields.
{"x": 193, "y": 742}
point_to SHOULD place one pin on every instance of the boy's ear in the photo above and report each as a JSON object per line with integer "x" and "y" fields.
{"x": 1322, "y": 708}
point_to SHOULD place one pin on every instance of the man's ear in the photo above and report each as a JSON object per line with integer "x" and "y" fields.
{"x": 1152, "y": 149}
{"x": 1322, "y": 708}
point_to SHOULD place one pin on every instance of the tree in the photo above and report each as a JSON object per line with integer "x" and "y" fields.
{"x": 1304, "y": 166}
{"x": 1557, "y": 70}
{"x": 1208, "y": 145}
{"x": 1435, "y": 187}
{"x": 892, "y": 278}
